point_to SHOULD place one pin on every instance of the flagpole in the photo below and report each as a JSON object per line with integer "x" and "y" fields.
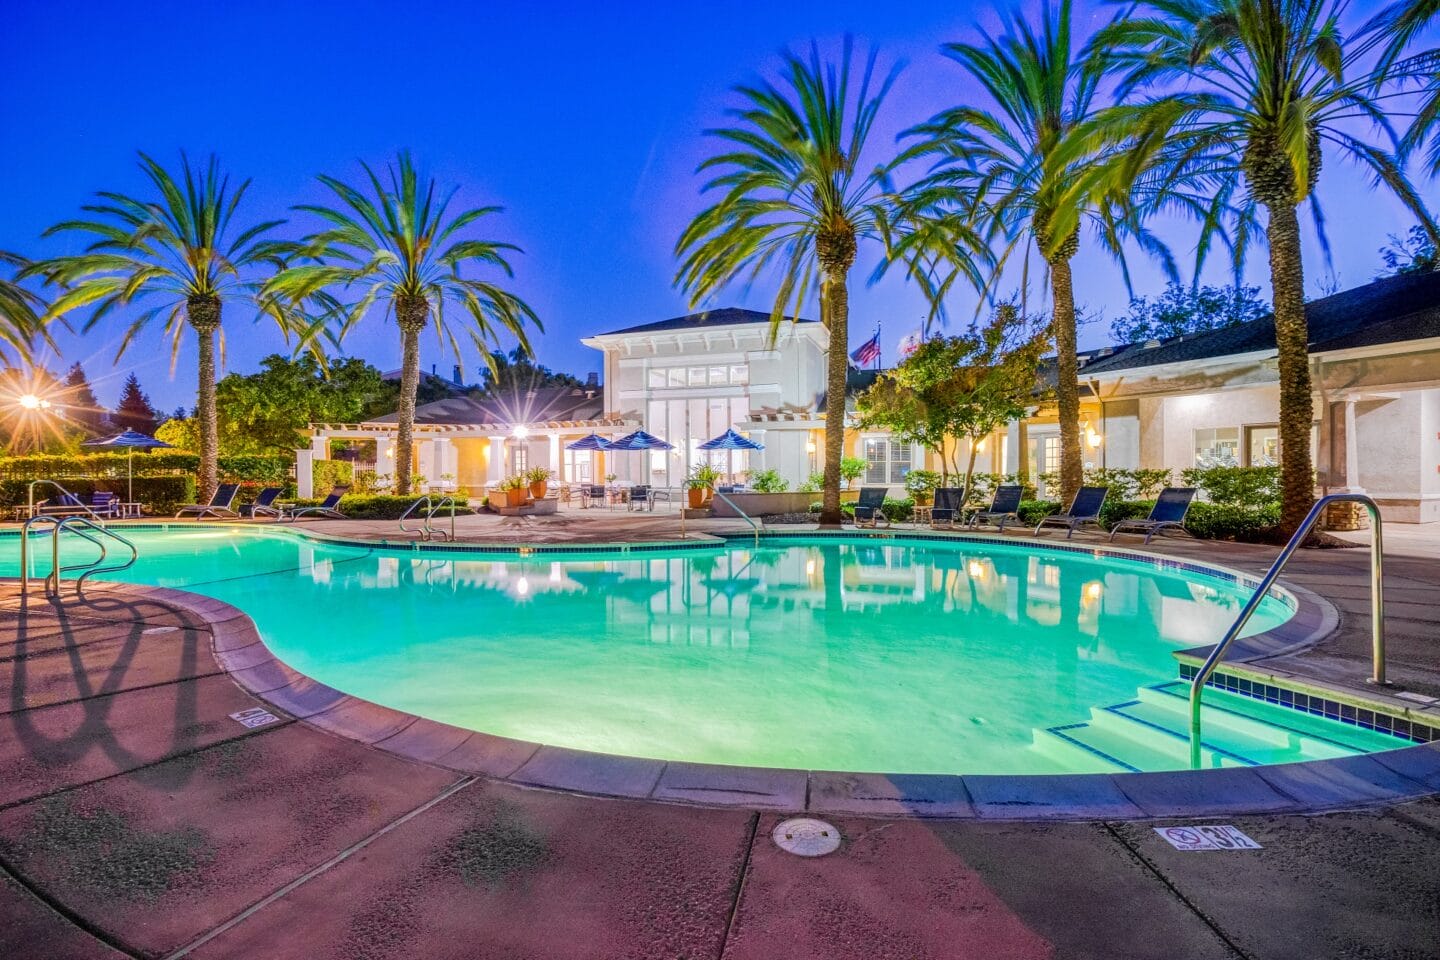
{"x": 878, "y": 347}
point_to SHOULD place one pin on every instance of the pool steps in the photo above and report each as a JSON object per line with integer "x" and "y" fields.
{"x": 1150, "y": 732}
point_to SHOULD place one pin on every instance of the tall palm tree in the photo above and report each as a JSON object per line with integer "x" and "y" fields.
{"x": 22, "y": 312}
{"x": 1264, "y": 87}
{"x": 181, "y": 254}
{"x": 797, "y": 195}
{"x": 397, "y": 245}
{"x": 1036, "y": 170}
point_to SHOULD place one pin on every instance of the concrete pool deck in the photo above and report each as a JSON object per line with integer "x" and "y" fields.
{"x": 138, "y": 819}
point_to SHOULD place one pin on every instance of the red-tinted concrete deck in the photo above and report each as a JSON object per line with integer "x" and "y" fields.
{"x": 137, "y": 819}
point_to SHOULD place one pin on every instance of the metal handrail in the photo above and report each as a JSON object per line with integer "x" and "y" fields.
{"x": 1377, "y": 606}
{"x": 25, "y": 550}
{"x": 56, "y": 484}
{"x": 427, "y": 530}
{"x": 92, "y": 569}
{"x": 743, "y": 515}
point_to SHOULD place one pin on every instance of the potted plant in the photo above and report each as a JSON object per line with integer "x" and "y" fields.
{"x": 700, "y": 485}
{"x": 921, "y": 484}
{"x": 514, "y": 490}
{"x": 539, "y": 479}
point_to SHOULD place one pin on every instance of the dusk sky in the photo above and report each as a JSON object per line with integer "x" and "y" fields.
{"x": 583, "y": 120}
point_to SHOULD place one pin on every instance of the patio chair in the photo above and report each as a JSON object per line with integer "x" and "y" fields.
{"x": 264, "y": 505}
{"x": 1004, "y": 507}
{"x": 869, "y": 509}
{"x": 105, "y": 504}
{"x": 639, "y": 498}
{"x": 328, "y": 508}
{"x": 219, "y": 505}
{"x": 591, "y": 493}
{"x": 1084, "y": 508}
{"x": 948, "y": 508}
{"x": 74, "y": 505}
{"x": 1169, "y": 511}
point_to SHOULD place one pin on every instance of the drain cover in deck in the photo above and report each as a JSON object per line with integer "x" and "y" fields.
{"x": 806, "y": 837}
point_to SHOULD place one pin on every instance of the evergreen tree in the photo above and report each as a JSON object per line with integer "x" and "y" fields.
{"x": 79, "y": 401}
{"x": 134, "y": 411}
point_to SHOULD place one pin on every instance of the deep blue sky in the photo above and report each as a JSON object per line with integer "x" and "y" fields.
{"x": 583, "y": 120}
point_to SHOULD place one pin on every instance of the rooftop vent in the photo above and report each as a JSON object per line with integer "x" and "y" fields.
{"x": 1151, "y": 344}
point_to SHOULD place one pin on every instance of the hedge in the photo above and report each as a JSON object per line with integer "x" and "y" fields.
{"x": 379, "y": 507}
{"x": 332, "y": 473}
{"x": 896, "y": 511}
{"x": 1254, "y": 487}
{"x": 161, "y": 495}
{"x": 44, "y": 466}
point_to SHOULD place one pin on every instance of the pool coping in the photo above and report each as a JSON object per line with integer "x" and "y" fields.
{"x": 1314, "y": 786}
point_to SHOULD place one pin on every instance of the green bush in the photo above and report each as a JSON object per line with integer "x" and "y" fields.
{"x": 1253, "y": 487}
{"x": 768, "y": 481}
{"x": 40, "y": 466}
{"x": 1116, "y": 510}
{"x": 1218, "y": 521}
{"x": 813, "y": 483}
{"x": 921, "y": 483}
{"x": 265, "y": 470}
{"x": 1032, "y": 512}
{"x": 896, "y": 511}
{"x": 332, "y": 473}
{"x": 362, "y": 507}
{"x": 1129, "y": 484}
{"x": 160, "y": 495}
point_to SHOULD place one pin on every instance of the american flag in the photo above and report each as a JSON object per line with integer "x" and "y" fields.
{"x": 867, "y": 352}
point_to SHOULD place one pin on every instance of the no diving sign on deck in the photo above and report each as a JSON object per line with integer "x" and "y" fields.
{"x": 1207, "y": 837}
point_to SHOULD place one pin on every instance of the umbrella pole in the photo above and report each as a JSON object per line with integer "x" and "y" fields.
{"x": 130, "y": 477}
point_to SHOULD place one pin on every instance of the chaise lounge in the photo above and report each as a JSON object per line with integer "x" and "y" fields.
{"x": 1085, "y": 508}
{"x": 948, "y": 508}
{"x": 870, "y": 508}
{"x": 1004, "y": 507}
{"x": 1169, "y": 512}
{"x": 218, "y": 507}
{"x": 329, "y": 508}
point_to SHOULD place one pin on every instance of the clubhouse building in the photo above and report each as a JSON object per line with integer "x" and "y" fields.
{"x": 1200, "y": 400}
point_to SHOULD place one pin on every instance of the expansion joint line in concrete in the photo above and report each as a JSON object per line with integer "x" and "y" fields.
{"x": 739, "y": 884}
{"x": 1175, "y": 892}
{"x": 314, "y": 872}
{"x": 65, "y": 912}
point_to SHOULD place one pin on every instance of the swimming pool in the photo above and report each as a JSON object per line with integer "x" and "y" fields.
{"x": 840, "y": 654}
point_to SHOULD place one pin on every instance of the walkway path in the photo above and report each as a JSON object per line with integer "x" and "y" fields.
{"x": 137, "y": 818}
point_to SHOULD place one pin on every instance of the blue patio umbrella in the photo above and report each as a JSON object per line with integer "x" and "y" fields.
{"x": 129, "y": 441}
{"x": 592, "y": 442}
{"x": 639, "y": 440}
{"x": 730, "y": 440}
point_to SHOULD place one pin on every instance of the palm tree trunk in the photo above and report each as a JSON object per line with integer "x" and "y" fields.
{"x": 411, "y": 314}
{"x": 1287, "y": 279}
{"x": 1067, "y": 372}
{"x": 835, "y": 313}
{"x": 203, "y": 314}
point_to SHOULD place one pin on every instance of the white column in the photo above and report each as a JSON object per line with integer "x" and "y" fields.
{"x": 495, "y": 469}
{"x": 1349, "y": 473}
{"x": 556, "y": 464}
{"x": 304, "y": 473}
{"x": 385, "y": 456}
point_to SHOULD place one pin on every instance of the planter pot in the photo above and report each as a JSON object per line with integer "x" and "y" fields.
{"x": 515, "y": 498}
{"x": 847, "y": 496}
{"x": 696, "y": 497}
{"x": 537, "y": 490}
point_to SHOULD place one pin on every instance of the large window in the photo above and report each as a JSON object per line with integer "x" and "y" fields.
{"x": 1262, "y": 446}
{"x": 579, "y": 466}
{"x": 519, "y": 458}
{"x": 713, "y": 375}
{"x": 1050, "y": 459}
{"x": 887, "y": 461}
{"x": 1217, "y": 447}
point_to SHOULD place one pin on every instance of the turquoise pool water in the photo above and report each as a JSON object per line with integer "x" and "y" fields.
{"x": 823, "y": 654}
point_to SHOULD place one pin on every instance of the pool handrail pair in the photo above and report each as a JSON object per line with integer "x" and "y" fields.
{"x": 1262, "y": 590}
{"x": 73, "y": 525}
{"x": 754, "y": 526}
{"x": 432, "y": 506}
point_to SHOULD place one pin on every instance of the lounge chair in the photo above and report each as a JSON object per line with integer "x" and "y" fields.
{"x": 329, "y": 508}
{"x": 639, "y": 497}
{"x": 264, "y": 505}
{"x": 949, "y": 507}
{"x": 1169, "y": 511}
{"x": 103, "y": 505}
{"x": 592, "y": 492}
{"x": 1084, "y": 508}
{"x": 869, "y": 509}
{"x": 1004, "y": 507}
{"x": 219, "y": 505}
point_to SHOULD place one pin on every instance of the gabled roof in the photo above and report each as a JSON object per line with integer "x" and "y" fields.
{"x": 542, "y": 405}
{"x": 1391, "y": 310}
{"x": 722, "y": 317}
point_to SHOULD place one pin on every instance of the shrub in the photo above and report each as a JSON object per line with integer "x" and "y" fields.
{"x": 328, "y": 474}
{"x": 266, "y": 470}
{"x": 1116, "y": 509}
{"x": 921, "y": 483}
{"x": 1217, "y": 521}
{"x": 851, "y": 469}
{"x": 161, "y": 495}
{"x": 896, "y": 511}
{"x": 366, "y": 507}
{"x": 768, "y": 481}
{"x": 1149, "y": 482}
{"x": 1252, "y": 487}
{"x": 813, "y": 484}
{"x": 1032, "y": 512}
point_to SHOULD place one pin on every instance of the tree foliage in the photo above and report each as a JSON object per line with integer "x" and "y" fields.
{"x": 1184, "y": 309}
{"x": 1413, "y": 253}
{"x": 517, "y": 371}
{"x": 960, "y": 388}
{"x": 134, "y": 411}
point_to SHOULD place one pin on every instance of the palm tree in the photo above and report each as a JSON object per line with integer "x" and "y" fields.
{"x": 182, "y": 255}
{"x": 398, "y": 246}
{"x": 796, "y": 196}
{"x": 1035, "y": 170}
{"x": 1267, "y": 84}
{"x": 22, "y": 312}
